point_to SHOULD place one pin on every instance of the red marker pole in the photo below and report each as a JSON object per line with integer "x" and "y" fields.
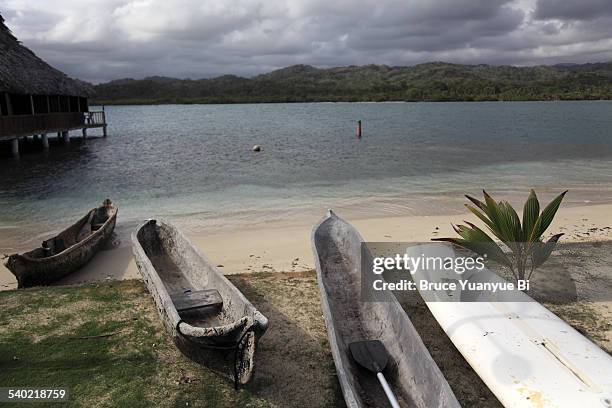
{"x": 359, "y": 128}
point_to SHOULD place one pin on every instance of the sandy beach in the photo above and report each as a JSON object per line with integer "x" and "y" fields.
{"x": 285, "y": 247}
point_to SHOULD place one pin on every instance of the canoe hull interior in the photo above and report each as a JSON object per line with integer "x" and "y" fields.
{"x": 413, "y": 375}
{"x": 225, "y": 337}
{"x": 33, "y": 268}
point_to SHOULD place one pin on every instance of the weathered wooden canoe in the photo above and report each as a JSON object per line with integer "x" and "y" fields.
{"x": 208, "y": 318}
{"x": 412, "y": 374}
{"x": 67, "y": 252}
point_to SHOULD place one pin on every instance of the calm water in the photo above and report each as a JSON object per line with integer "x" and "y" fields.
{"x": 195, "y": 162}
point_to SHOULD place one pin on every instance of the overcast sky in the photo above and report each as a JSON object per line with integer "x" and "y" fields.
{"x": 99, "y": 40}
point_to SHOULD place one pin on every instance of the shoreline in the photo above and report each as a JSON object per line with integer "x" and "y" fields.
{"x": 146, "y": 102}
{"x": 285, "y": 246}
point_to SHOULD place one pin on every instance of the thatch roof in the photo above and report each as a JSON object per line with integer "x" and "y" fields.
{"x": 21, "y": 71}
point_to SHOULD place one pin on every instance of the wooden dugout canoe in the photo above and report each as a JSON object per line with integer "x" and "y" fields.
{"x": 66, "y": 252}
{"x": 412, "y": 374}
{"x": 208, "y": 318}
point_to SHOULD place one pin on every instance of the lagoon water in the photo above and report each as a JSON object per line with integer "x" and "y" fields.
{"x": 194, "y": 163}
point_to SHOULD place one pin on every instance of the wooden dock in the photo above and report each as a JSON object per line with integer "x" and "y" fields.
{"x": 14, "y": 128}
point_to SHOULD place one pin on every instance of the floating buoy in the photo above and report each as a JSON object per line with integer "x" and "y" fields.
{"x": 257, "y": 148}
{"x": 358, "y": 128}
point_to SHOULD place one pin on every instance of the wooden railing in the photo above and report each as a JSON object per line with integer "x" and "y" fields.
{"x": 95, "y": 118}
{"x": 25, "y": 125}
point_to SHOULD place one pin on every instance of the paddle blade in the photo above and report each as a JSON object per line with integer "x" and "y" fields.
{"x": 370, "y": 354}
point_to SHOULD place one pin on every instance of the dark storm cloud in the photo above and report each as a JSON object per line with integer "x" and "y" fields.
{"x": 419, "y": 34}
{"x": 100, "y": 40}
{"x": 573, "y": 10}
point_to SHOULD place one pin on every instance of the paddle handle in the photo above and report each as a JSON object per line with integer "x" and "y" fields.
{"x": 385, "y": 385}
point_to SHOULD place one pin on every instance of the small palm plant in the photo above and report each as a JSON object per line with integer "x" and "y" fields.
{"x": 522, "y": 249}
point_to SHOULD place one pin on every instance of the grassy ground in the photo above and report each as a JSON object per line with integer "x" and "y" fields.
{"x": 48, "y": 338}
{"x": 105, "y": 344}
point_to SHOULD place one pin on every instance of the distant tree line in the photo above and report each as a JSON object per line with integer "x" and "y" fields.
{"x": 435, "y": 81}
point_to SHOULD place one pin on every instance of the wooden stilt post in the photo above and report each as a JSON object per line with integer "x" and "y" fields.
{"x": 84, "y": 133}
{"x": 104, "y": 121}
{"x": 9, "y": 106}
{"x": 15, "y": 147}
{"x": 45, "y": 141}
{"x": 66, "y": 137}
{"x": 35, "y": 137}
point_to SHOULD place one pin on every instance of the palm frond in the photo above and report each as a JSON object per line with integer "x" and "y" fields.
{"x": 531, "y": 212}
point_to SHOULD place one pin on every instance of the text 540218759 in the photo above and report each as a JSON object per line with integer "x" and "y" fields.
{"x": 16, "y": 394}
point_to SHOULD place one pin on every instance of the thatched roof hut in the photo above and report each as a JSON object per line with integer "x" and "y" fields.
{"x": 37, "y": 99}
{"x": 22, "y": 72}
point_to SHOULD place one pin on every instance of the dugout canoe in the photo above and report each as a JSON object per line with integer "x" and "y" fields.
{"x": 412, "y": 373}
{"x": 524, "y": 353}
{"x": 208, "y": 318}
{"x": 66, "y": 252}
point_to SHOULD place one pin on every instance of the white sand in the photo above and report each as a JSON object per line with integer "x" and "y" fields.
{"x": 287, "y": 247}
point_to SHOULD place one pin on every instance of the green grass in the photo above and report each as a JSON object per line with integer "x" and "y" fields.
{"x": 46, "y": 341}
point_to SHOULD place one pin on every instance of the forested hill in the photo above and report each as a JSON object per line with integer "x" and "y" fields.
{"x": 424, "y": 82}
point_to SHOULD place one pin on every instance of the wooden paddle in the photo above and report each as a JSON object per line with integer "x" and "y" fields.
{"x": 373, "y": 356}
